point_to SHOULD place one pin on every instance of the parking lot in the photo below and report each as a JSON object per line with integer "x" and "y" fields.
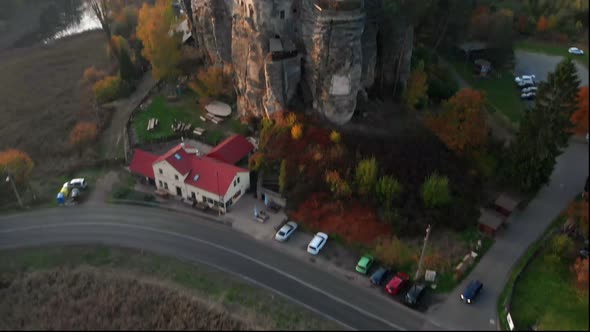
{"x": 541, "y": 65}
{"x": 333, "y": 258}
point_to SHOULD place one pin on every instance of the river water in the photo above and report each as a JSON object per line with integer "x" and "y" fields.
{"x": 28, "y": 22}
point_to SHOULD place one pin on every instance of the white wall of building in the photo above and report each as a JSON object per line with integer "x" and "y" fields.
{"x": 242, "y": 183}
{"x": 168, "y": 178}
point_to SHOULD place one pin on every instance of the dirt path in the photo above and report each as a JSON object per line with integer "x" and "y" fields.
{"x": 104, "y": 186}
{"x": 498, "y": 129}
{"x": 113, "y": 138}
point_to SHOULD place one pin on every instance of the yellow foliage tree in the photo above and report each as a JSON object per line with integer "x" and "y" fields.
{"x": 297, "y": 131}
{"x": 160, "y": 46}
{"x": 17, "y": 162}
{"x": 335, "y": 137}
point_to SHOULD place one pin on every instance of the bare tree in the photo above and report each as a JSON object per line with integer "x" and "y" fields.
{"x": 101, "y": 9}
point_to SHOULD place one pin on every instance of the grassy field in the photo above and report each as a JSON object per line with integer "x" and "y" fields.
{"x": 551, "y": 49}
{"x": 502, "y": 95}
{"x": 253, "y": 304}
{"x": 187, "y": 111}
{"x": 545, "y": 295}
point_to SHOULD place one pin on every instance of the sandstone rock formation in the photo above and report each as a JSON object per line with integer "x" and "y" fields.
{"x": 328, "y": 47}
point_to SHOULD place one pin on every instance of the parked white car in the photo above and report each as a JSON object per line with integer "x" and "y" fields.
{"x": 525, "y": 83}
{"x": 575, "y": 50}
{"x": 529, "y": 89}
{"x": 317, "y": 243}
{"x": 286, "y": 231}
{"x": 524, "y": 77}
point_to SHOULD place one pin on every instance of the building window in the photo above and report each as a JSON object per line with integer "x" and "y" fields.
{"x": 238, "y": 180}
{"x": 209, "y": 200}
{"x": 235, "y": 183}
{"x": 175, "y": 177}
{"x": 160, "y": 170}
{"x": 161, "y": 185}
{"x": 282, "y": 14}
{"x": 166, "y": 185}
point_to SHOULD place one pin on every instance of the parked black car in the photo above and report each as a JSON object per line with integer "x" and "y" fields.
{"x": 471, "y": 291}
{"x": 414, "y": 295}
{"x": 379, "y": 276}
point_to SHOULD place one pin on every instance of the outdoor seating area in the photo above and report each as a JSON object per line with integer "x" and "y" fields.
{"x": 199, "y": 131}
{"x": 152, "y": 124}
{"x": 179, "y": 126}
{"x": 212, "y": 118}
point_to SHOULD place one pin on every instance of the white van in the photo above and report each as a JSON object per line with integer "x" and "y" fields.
{"x": 79, "y": 183}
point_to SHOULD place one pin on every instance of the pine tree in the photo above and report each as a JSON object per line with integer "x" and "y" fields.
{"x": 545, "y": 129}
{"x": 126, "y": 68}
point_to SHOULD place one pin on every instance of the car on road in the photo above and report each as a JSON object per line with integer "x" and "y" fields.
{"x": 575, "y": 51}
{"x": 415, "y": 294}
{"x": 524, "y": 77}
{"x": 79, "y": 183}
{"x": 317, "y": 243}
{"x": 399, "y": 282}
{"x": 379, "y": 276}
{"x": 364, "y": 264}
{"x": 471, "y": 292}
{"x": 286, "y": 231}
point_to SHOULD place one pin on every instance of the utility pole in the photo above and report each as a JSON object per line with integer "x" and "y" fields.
{"x": 10, "y": 179}
{"x": 422, "y": 254}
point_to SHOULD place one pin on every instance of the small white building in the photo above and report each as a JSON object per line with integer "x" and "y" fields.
{"x": 212, "y": 179}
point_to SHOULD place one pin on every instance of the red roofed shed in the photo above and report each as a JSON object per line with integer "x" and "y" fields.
{"x": 232, "y": 150}
{"x": 142, "y": 163}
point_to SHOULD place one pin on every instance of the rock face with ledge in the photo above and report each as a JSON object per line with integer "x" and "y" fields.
{"x": 326, "y": 47}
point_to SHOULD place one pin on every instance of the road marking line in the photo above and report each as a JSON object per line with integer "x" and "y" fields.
{"x": 188, "y": 237}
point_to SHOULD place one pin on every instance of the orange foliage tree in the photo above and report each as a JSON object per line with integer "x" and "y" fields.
{"x": 542, "y": 24}
{"x": 417, "y": 87}
{"x": 338, "y": 185}
{"x": 580, "y": 268}
{"x": 82, "y": 134}
{"x": 17, "y": 162}
{"x": 159, "y": 47}
{"x": 212, "y": 82}
{"x": 461, "y": 125}
{"x": 580, "y": 117}
{"x": 297, "y": 131}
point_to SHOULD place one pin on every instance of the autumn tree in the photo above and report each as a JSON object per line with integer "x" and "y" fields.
{"x": 461, "y": 125}
{"x": 335, "y": 137}
{"x": 17, "y": 163}
{"x": 580, "y": 117}
{"x": 338, "y": 185}
{"x": 283, "y": 176}
{"x": 102, "y": 10}
{"x": 82, "y": 134}
{"x": 160, "y": 47}
{"x": 297, "y": 131}
{"x": 542, "y": 24}
{"x": 545, "y": 130}
{"x": 366, "y": 176}
{"x": 435, "y": 191}
{"x": 388, "y": 189}
{"x": 213, "y": 82}
{"x": 417, "y": 87}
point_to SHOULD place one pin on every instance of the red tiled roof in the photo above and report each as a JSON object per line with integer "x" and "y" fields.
{"x": 232, "y": 150}
{"x": 213, "y": 176}
{"x": 182, "y": 163}
{"x": 142, "y": 163}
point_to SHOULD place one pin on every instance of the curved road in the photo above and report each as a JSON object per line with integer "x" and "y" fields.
{"x": 191, "y": 239}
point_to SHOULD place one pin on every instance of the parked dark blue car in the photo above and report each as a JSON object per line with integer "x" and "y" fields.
{"x": 379, "y": 276}
{"x": 471, "y": 291}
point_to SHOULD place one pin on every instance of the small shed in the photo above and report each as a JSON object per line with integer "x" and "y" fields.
{"x": 506, "y": 204}
{"x": 490, "y": 221}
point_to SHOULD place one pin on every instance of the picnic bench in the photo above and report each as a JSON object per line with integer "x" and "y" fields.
{"x": 178, "y": 126}
{"x": 152, "y": 124}
{"x": 213, "y": 118}
{"x": 198, "y": 131}
{"x": 203, "y": 118}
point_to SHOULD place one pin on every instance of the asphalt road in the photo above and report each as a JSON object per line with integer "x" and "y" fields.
{"x": 525, "y": 227}
{"x": 200, "y": 241}
{"x": 541, "y": 65}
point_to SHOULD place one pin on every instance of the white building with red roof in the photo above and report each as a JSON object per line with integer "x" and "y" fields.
{"x": 212, "y": 179}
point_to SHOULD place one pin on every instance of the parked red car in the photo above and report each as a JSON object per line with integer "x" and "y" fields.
{"x": 399, "y": 282}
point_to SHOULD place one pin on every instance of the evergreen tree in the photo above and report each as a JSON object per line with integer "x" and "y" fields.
{"x": 545, "y": 129}
{"x": 126, "y": 67}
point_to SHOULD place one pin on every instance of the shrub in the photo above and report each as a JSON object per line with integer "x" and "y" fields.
{"x": 435, "y": 191}
{"x": 388, "y": 189}
{"x": 110, "y": 88}
{"x": 297, "y": 131}
{"x": 283, "y": 177}
{"x": 82, "y": 134}
{"x": 17, "y": 162}
{"x": 338, "y": 185}
{"x": 92, "y": 75}
{"x": 394, "y": 252}
{"x": 486, "y": 163}
{"x": 441, "y": 85}
{"x": 366, "y": 176}
{"x": 580, "y": 269}
{"x": 562, "y": 246}
{"x": 335, "y": 137}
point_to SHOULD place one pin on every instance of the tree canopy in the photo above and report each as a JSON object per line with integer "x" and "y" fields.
{"x": 17, "y": 162}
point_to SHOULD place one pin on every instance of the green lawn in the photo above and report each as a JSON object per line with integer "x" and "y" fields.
{"x": 186, "y": 110}
{"x": 234, "y": 294}
{"x": 501, "y": 92}
{"x": 551, "y": 49}
{"x": 545, "y": 295}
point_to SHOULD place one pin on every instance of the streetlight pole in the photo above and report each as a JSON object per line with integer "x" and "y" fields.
{"x": 423, "y": 251}
{"x": 10, "y": 178}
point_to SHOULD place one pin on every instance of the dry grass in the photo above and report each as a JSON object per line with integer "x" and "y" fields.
{"x": 41, "y": 99}
{"x": 88, "y": 298}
